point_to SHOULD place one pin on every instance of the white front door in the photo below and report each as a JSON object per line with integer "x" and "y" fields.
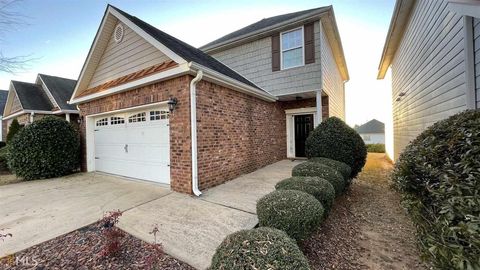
{"x": 134, "y": 144}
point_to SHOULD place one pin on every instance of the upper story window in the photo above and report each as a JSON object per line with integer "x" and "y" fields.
{"x": 292, "y": 48}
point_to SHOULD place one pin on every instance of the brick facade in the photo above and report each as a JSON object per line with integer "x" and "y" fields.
{"x": 180, "y": 142}
{"x": 237, "y": 133}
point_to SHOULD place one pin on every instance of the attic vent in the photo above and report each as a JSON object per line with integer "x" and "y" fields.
{"x": 118, "y": 34}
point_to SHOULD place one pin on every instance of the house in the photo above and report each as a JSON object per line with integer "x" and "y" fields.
{"x": 3, "y": 100}
{"x": 432, "y": 47}
{"x": 155, "y": 108}
{"x": 294, "y": 57}
{"x": 28, "y": 102}
{"x": 372, "y": 132}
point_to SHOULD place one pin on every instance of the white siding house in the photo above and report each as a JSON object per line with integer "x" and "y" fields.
{"x": 372, "y": 132}
{"x": 430, "y": 48}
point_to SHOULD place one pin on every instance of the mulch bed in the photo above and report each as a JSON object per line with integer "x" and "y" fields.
{"x": 335, "y": 245}
{"x": 367, "y": 228}
{"x": 82, "y": 249}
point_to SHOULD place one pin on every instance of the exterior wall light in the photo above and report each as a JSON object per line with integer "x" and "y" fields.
{"x": 172, "y": 103}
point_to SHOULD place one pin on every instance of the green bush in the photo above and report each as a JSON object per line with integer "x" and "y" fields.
{"x": 343, "y": 168}
{"x": 2, "y": 145}
{"x": 294, "y": 212}
{"x": 262, "y": 248}
{"x": 47, "y": 148}
{"x": 439, "y": 176}
{"x": 376, "y": 148}
{"x": 3, "y": 159}
{"x": 318, "y": 187}
{"x": 323, "y": 171}
{"x": 14, "y": 128}
{"x": 335, "y": 140}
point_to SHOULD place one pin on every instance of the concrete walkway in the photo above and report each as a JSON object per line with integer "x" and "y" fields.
{"x": 192, "y": 228}
{"x": 37, "y": 211}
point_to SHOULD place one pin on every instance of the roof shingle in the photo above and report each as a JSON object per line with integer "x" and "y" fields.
{"x": 186, "y": 51}
{"x": 61, "y": 90}
{"x": 372, "y": 126}
{"x": 32, "y": 96}
{"x": 262, "y": 24}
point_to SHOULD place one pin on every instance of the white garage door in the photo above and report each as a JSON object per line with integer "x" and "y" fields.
{"x": 134, "y": 144}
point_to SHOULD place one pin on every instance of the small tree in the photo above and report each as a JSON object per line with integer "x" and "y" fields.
{"x": 15, "y": 127}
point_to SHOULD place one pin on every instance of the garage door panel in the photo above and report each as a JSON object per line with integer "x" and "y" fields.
{"x": 139, "y": 149}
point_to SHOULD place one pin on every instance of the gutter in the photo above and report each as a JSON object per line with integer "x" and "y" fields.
{"x": 193, "y": 129}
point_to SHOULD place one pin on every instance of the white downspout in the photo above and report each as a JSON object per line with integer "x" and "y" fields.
{"x": 193, "y": 126}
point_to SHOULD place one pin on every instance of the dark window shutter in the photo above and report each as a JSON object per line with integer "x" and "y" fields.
{"x": 309, "y": 36}
{"x": 276, "y": 52}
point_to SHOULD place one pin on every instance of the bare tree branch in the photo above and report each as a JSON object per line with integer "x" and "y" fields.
{"x": 9, "y": 20}
{"x": 14, "y": 64}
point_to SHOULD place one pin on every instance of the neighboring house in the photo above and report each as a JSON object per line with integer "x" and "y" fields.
{"x": 433, "y": 48}
{"x": 372, "y": 132}
{"x": 3, "y": 101}
{"x": 28, "y": 102}
{"x": 155, "y": 108}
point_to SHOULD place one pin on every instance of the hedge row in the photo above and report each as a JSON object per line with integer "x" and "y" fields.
{"x": 438, "y": 174}
{"x": 295, "y": 210}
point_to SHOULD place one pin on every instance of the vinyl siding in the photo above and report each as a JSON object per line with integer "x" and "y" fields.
{"x": 429, "y": 68}
{"x": 476, "y": 42}
{"x": 133, "y": 53}
{"x": 16, "y": 105}
{"x": 332, "y": 81}
{"x": 254, "y": 61}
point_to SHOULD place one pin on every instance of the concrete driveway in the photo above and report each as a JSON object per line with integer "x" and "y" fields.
{"x": 191, "y": 228}
{"x": 37, "y": 211}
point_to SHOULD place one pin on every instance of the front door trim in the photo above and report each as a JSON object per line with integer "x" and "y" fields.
{"x": 289, "y": 114}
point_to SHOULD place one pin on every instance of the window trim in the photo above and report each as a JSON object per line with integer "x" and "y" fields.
{"x": 303, "y": 47}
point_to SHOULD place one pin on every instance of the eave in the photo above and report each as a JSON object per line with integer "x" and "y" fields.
{"x": 398, "y": 24}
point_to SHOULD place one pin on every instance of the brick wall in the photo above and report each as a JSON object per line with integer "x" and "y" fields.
{"x": 180, "y": 142}
{"x": 237, "y": 133}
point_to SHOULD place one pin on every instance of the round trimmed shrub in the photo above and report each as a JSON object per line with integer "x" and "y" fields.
{"x": 335, "y": 140}
{"x": 262, "y": 248}
{"x": 343, "y": 168}
{"x": 294, "y": 212}
{"x": 47, "y": 148}
{"x": 318, "y": 187}
{"x": 439, "y": 176}
{"x": 323, "y": 171}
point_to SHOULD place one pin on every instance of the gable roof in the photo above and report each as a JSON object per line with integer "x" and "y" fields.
{"x": 186, "y": 51}
{"x": 190, "y": 60}
{"x": 263, "y": 24}
{"x": 32, "y": 96}
{"x": 372, "y": 126}
{"x": 3, "y": 100}
{"x": 269, "y": 26}
{"x": 398, "y": 23}
{"x": 61, "y": 90}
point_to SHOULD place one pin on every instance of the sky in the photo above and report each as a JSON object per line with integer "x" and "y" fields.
{"x": 57, "y": 34}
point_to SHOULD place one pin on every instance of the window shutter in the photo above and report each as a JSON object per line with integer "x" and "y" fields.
{"x": 309, "y": 36}
{"x": 276, "y": 52}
